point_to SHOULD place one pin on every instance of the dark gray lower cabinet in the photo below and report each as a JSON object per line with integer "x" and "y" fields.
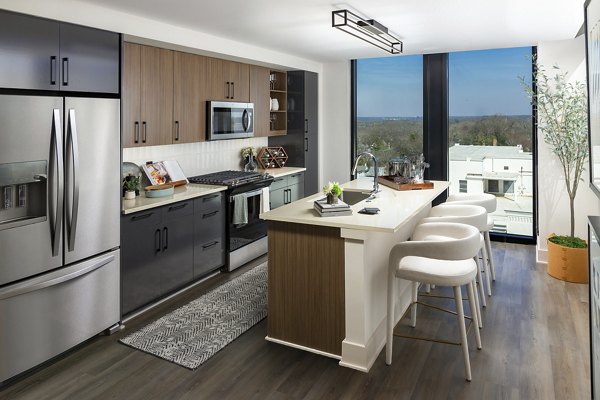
{"x": 165, "y": 248}
{"x": 209, "y": 234}
{"x": 286, "y": 189}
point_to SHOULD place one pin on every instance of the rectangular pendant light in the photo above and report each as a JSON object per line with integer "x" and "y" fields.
{"x": 368, "y": 30}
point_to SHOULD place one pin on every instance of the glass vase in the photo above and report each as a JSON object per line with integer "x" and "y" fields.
{"x": 251, "y": 164}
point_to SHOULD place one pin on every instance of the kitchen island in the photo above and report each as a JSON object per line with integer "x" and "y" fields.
{"x": 328, "y": 275}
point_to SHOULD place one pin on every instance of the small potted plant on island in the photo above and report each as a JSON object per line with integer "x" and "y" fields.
{"x": 333, "y": 191}
{"x": 562, "y": 118}
{"x": 131, "y": 185}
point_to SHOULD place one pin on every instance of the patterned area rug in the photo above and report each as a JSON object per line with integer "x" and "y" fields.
{"x": 193, "y": 333}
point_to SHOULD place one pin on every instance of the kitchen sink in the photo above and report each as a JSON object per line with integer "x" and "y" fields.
{"x": 352, "y": 197}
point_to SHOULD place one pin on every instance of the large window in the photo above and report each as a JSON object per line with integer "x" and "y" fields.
{"x": 389, "y": 107}
{"x": 490, "y": 132}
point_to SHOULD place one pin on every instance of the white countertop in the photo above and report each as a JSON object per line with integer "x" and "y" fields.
{"x": 396, "y": 207}
{"x": 189, "y": 191}
{"x": 283, "y": 171}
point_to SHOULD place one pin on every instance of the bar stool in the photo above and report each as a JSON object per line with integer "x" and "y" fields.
{"x": 466, "y": 214}
{"x": 489, "y": 202}
{"x": 440, "y": 254}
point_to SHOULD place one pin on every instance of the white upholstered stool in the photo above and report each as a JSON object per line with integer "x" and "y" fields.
{"x": 487, "y": 201}
{"x": 440, "y": 254}
{"x": 466, "y": 214}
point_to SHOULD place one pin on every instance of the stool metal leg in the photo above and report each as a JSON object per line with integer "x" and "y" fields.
{"x": 460, "y": 318}
{"x": 480, "y": 281}
{"x": 486, "y": 270}
{"x": 391, "y": 295}
{"x": 477, "y": 308}
{"x": 474, "y": 308}
{"x": 413, "y": 311}
{"x": 488, "y": 245}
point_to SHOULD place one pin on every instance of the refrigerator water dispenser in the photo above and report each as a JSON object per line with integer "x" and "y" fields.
{"x": 23, "y": 193}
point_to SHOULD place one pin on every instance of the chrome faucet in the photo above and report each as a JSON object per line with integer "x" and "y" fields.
{"x": 375, "y": 182}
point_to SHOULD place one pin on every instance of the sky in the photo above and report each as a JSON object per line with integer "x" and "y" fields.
{"x": 480, "y": 83}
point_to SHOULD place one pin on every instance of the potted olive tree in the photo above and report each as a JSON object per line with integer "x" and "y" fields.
{"x": 562, "y": 119}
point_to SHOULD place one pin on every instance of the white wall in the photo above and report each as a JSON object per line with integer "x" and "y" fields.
{"x": 553, "y": 200}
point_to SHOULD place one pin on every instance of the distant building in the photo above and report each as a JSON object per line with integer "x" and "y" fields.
{"x": 507, "y": 172}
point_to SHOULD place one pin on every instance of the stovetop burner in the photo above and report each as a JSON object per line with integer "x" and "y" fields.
{"x": 228, "y": 178}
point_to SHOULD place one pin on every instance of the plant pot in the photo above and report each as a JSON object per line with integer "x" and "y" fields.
{"x": 332, "y": 199}
{"x": 567, "y": 263}
{"x": 130, "y": 195}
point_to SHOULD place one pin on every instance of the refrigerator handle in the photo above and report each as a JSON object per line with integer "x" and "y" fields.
{"x": 26, "y": 287}
{"x": 58, "y": 158}
{"x": 74, "y": 175}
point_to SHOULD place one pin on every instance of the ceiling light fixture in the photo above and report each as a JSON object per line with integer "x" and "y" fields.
{"x": 365, "y": 29}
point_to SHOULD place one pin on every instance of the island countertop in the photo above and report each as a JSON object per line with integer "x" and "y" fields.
{"x": 395, "y": 206}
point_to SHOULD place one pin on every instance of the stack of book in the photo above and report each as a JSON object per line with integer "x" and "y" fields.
{"x": 332, "y": 210}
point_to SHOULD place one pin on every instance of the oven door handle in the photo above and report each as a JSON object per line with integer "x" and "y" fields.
{"x": 249, "y": 194}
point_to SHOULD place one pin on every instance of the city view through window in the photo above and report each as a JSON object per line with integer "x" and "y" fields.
{"x": 490, "y": 125}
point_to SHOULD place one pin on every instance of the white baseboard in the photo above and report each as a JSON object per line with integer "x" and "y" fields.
{"x": 541, "y": 255}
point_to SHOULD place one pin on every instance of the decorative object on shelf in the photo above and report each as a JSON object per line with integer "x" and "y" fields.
{"x": 563, "y": 119}
{"x": 272, "y": 157}
{"x": 366, "y": 29}
{"x": 275, "y": 105}
{"x": 270, "y": 104}
{"x": 333, "y": 191}
{"x": 272, "y": 80}
{"x": 131, "y": 186}
{"x": 251, "y": 165}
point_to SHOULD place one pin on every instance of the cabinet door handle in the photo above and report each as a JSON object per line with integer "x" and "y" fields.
{"x": 228, "y": 91}
{"x": 140, "y": 217}
{"x": 157, "y": 241}
{"x": 53, "y": 70}
{"x": 144, "y": 126}
{"x": 233, "y": 90}
{"x": 306, "y": 126}
{"x": 176, "y": 130}
{"x": 285, "y": 196}
{"x": 65, "y": 71}
{"x": 209, "y": 245}
{"x": 136, "y": 132}
{"x": 207, "y": 198}
{"x": 306, "y": 144}
{"x": 208, "y": 215}
{"x": 166, "y": 238}
{"x": 177, "y": 207}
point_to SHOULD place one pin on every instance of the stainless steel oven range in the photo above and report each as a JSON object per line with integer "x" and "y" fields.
{"x": 246, "y": 232}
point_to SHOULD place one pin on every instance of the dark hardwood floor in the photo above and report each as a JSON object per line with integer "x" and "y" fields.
{"x": 535, "y": 346}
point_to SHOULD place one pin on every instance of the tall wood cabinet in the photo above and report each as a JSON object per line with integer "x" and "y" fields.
{"x": 228, "y": 80}
{"x": 259, "y": 95}
{"x": 189, "y": 101}
{"x": 147, "y": 118}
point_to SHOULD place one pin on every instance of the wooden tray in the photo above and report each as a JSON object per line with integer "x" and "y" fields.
{"x": 389, "y": 181}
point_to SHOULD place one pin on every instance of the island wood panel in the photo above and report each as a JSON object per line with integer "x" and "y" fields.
{"x": 157, "y": 95}
{"x": 131, "y": 92}
{"x": 259, "y": 95}
{"x": 306, "y": 286}
{"x": 189, "y": 99}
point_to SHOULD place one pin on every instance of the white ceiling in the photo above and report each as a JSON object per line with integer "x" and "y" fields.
{"x": 303, "y": 27}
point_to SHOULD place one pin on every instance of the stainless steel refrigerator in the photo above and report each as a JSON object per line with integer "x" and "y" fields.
{"x": 59, "y": 225}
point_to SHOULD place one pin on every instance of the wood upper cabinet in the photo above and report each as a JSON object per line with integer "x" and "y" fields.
{"x": 228, "y": 80}
{"x": 259, "y": 95}
{"x": 147, "y": 96}
{"x": 189, "y": 101}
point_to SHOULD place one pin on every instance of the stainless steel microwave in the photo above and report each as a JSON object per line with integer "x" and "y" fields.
{"x": 229, "y": 120}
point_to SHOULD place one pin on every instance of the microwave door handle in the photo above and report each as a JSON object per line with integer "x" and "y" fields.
{"x": 72, "y": 137}
{"x": 245, "y": 120}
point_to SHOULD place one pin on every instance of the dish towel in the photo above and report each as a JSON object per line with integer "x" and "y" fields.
{"x": 265, "y": 204}
{"x": 240, "y": 209}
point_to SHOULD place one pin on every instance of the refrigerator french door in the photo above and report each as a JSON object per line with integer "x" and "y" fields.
{"x": 59, "y": 225}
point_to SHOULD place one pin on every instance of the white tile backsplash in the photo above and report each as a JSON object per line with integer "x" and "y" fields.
{"x": 197, "y": 158}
